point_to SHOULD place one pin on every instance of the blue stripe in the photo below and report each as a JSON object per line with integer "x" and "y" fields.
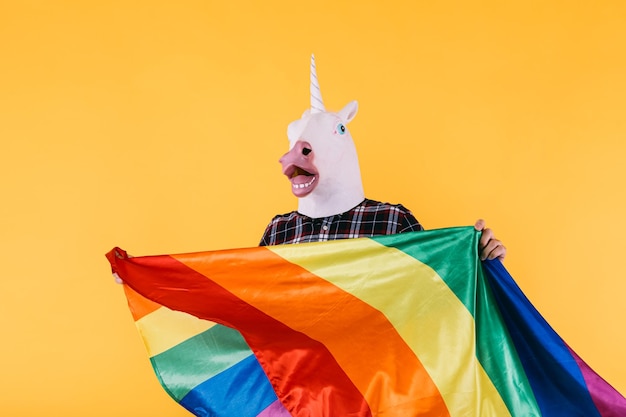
{"x": 553, "y": 373}
{"x": 243, "y": 390}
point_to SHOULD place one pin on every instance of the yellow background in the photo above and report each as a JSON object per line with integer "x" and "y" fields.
{"x": 156, "y": 126}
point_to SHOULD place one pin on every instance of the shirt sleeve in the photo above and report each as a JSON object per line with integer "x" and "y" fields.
{"x": 265, "y": 240}
{"x": 408, "y": 222}
{"x": 270, "y": 236}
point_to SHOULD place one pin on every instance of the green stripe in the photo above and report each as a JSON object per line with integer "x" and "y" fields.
{"x": 453, "y": 254}
{"x": 497, "y": 353}
{"x": 190, "y": 363}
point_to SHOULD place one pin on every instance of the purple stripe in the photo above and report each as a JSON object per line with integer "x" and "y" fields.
{"x": 607, "y": 400}
{"x": 275, "y": 409}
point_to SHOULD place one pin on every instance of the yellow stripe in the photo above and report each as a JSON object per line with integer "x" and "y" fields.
{"x": 440, "y": 329}
{"x": 164, "y": 328}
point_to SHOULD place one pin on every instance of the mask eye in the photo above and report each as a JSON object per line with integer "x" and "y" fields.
{"x": 341, "y": 129}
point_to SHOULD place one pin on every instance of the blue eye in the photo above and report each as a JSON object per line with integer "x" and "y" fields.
{"x": 341, "y": 129}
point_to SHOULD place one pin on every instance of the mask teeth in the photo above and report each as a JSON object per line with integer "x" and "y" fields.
{"x": 317, "y": 105}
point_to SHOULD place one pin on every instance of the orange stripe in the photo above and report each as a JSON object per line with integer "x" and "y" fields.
{"x": 138, "y": 305}
{"x": 364, "y": 343}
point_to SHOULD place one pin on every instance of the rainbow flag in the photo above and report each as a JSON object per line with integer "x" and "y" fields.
{"x": 403, "y": 325}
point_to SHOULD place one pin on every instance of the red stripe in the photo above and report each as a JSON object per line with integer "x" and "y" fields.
{"x": 181, "y": 288}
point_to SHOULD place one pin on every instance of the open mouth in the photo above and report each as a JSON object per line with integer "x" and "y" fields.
{"x": 301, "y": 179}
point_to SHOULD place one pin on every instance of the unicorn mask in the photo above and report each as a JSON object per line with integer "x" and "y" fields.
{"x": 322, "y": 163}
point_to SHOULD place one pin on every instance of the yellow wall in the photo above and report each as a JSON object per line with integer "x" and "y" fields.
{"x": 157, "y": 125}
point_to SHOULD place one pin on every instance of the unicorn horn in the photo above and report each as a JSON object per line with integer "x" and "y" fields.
{"x": 317, "y": 105}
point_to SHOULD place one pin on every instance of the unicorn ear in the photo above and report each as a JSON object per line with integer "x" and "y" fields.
{"x": 349, "y": 111}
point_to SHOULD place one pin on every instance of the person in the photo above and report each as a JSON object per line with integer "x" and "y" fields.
{"x": 323, "y": 169}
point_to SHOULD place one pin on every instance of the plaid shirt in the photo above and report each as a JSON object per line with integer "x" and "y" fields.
{"x": 370, "y": 218}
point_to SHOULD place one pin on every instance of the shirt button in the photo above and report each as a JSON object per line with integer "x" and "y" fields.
{"x": 325, "y": 227}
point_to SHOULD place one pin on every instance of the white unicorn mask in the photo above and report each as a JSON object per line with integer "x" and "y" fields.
{"x": 322, "y": 163}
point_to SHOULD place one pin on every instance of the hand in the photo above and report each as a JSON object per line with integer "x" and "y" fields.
{"x": 117, "y": 278}
{"x": 489, "y": 247}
